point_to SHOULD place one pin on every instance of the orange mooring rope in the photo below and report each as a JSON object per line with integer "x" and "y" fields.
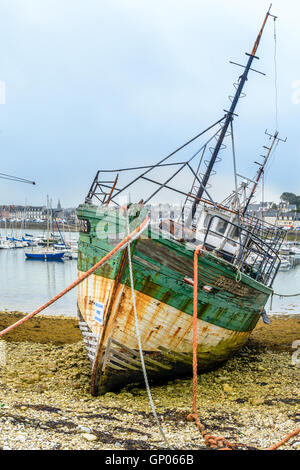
{"x": 195, "y": 316}
{"x": 214, "y": 442}
{"x": 211, "y": 441}
{"x": 286, "y": 439}
{"x": 117, "y": 248}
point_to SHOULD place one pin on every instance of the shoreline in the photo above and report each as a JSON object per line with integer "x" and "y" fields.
{"x": 59, "y": 329}
{"x": 36, "y": 226}
{"x": 45, "y": 403}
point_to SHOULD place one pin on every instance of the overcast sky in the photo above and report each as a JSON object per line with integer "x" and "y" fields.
{"x": 94, "y": 84}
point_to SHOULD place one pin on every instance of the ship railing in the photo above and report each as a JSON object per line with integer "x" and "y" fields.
{"x": 253, "y": 248}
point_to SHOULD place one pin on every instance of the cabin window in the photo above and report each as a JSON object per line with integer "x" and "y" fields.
{"x": 235, "y": 233}
{"x": 221, "y": 227}
{"x": 206, "y": 220}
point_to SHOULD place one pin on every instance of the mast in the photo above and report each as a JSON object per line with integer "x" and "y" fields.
{"x": 47, "y": 222}
{"x": 261, "y": 170}
{"x": 229, "y": 116}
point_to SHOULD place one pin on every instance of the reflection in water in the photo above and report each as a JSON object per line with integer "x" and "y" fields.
{"x": 27, "y": 284}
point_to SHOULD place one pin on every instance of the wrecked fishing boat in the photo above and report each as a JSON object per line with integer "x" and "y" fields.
{"x": 238, "y": 261}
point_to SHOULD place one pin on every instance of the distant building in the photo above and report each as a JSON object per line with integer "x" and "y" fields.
{"x": 271, "y": 216}
{"x": 289, "y": 219}
{"x": 36, "y": 213}
{"x": 23, "y": 212}
{"x": 287, "y": 207}
{"x": 259, "y": 207}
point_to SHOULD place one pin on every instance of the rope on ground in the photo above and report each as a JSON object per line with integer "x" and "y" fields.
{"x": 120, "y": 246}
{"x": 211, "y": 441}
{"x": 214, "y": 442}
{"x": 138, "y": 335}
{"x": 286, "y": 439}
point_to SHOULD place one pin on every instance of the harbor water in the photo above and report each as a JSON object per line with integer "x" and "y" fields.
{"x": 286, "y": 283}
{"x": 27, "y": 284}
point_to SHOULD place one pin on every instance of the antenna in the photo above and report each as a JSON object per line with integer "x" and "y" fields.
{"x": 275, "y": 139}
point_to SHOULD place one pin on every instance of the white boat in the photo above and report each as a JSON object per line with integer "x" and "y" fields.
{"x": 70, "y": 249}
{"x": 285, "y": 265}
{"x": 5, "y": 244}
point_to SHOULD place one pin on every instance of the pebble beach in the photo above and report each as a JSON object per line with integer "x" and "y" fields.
{"x": 45, "y": 400}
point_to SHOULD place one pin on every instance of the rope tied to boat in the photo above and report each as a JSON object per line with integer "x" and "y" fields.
{"x": 238, "y": 276}
{"x": 138, "y": 335}
{"x": 119, "y": 247}
{"x": 285, "y": 295}
{"x": 214, "y": 442}
{"x": 281, "y": 296}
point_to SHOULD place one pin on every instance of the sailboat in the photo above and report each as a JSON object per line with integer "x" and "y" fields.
{"x": 47, "y": 253}
{"x": 238, "y": 262}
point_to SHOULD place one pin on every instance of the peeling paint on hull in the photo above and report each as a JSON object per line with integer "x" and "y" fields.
{"x": 166, "y": 335}
{"x": 226, "y": 315}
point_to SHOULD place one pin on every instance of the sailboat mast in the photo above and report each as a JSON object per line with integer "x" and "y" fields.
{"x": 47, "y": 222}
{"x": 229, "y": 116}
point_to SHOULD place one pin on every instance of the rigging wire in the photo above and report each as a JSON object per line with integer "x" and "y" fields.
{"x": 234, "y": 159}
{"x": 4, "y": 176}
{"x": 271, "y": 158}
{"x": 276, "y": 76}
{"x": 263, "y": 192}
{"x": 138, "y": 335}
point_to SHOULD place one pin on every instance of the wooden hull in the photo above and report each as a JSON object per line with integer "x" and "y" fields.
{"x": 226, "y": 314}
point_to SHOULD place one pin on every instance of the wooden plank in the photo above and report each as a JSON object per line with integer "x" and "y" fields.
{"x": 177, "y": 356}
{"x": 130, "y": 359}
{"x": 113, "y": 366}
{"x": 146, "y": 263}
{"x": 122, "y": 363}
{"x": 157, "y": 363}
{"x": 146, "y": 358}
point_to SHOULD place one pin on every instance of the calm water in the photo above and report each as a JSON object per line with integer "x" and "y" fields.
{"x": 286, "y": 282}
{"x": 27, "y": 284}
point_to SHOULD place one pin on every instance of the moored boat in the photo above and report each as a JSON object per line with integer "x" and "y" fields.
{"x": 238, "y": 261}
{"x": 44, "y": 255}
{"x": 48, "y": 253}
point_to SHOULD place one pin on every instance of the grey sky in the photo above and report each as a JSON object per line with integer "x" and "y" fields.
{"x": 93, "y": 84}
